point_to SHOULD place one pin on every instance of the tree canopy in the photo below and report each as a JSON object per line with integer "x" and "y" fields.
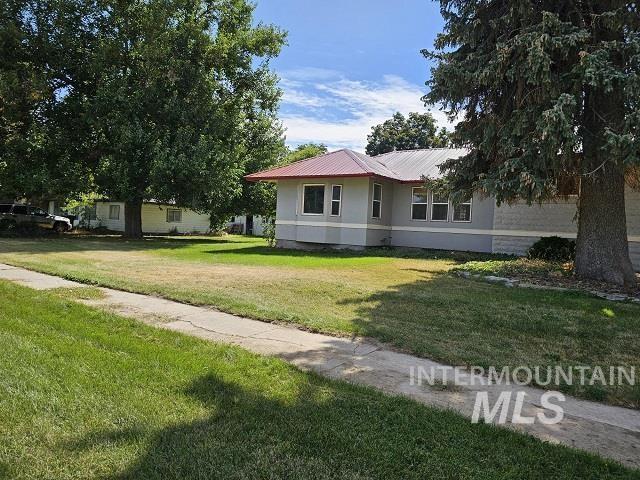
{"x": 303, "y": 151}
{"x": 259, "y": 198}
{"x": 418, "y": 130}
{"x": 548, "y": 90}
{"x": 170, "y": 100}
{"x": 41, "y": 45}
{"x": 181, "y": 111}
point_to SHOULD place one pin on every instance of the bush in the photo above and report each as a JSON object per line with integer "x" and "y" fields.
{"x": 553, "y": 249}
{"x": 269, "y": 231}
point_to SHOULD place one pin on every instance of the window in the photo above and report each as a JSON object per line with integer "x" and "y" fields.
{"x": 174, "y": 215}
{"x": 114, "y": 212}
{"x": 336, "y": 200}
{"x": 233, "y": 220}
{"x": 313, "y": 200}
{"x": 376, "y": 207}
{"x": 20, "y": 210}
{"x": 439, "y": 208}
{"x": 418, "y": 203}
{"x": 462, "y": 212}
{"x": 6, "y": 208}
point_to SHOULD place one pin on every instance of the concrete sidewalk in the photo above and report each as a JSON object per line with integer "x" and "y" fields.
{"x": 612, "y": 432}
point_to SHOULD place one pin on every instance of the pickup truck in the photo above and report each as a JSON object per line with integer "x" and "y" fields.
{"x": 14, "y": 215}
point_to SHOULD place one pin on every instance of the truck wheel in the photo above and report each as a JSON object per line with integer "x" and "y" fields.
{"x": 59, "y": 227}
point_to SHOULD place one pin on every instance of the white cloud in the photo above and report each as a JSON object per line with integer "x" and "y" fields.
{"x": 300, "y": 99}
{"x": 322, "y": 106}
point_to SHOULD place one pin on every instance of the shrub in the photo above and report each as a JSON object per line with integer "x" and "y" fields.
{"x": 269, "y": 231}
{"x": 554, "y": 249}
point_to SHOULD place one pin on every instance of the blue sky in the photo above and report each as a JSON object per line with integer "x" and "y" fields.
{"x": 350, "y": 64}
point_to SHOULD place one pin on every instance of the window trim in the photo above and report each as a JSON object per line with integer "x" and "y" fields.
{"x": 174, "y": 210}
{"x": 433, "y": 203}
{"x": 453, "y": 214}
{"x": 116, "y": 206}
{"x": 412, "y": 203}
{"x": 373, "y": 200}
{"x": 339, "y": 201}
{"x": 324, "y": 199}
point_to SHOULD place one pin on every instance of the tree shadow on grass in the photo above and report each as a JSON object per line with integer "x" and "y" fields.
{"x": 243, "y": 245}
{"x": 103, "y": 243}
{"x": 323, "y": 431}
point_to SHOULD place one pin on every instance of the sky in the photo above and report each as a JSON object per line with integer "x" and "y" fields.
{"x": 350, "y": 64}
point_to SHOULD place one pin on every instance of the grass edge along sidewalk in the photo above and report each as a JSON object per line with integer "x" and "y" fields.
{"x": 90, "y": 394}
{"x": 409, "y": 302}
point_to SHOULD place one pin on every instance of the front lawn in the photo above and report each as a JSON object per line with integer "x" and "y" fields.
{"x": 412, "y": 302}
{"x": 87, "y": 394}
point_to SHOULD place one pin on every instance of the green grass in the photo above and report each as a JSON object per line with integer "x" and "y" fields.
{"x": 79, "y": 293}
{"x": 410, "y": 300}
{"x": 516, "y": 267}
{"x": 88, "y": 394}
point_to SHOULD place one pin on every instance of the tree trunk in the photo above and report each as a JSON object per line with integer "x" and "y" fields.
{"x": 133, "y": 219}
{"x": 602, "y": 251}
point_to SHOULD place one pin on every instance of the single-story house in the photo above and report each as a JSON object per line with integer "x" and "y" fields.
{"x": 158, "y": 218}
{"x": 346, "y": 199}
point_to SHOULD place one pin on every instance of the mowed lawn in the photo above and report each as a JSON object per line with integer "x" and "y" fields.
{"x": 88, "y": 394}
{"x": 411, "y": 302}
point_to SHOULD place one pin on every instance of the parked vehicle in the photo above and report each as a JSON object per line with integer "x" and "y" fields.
{"x": 14, "y": 215}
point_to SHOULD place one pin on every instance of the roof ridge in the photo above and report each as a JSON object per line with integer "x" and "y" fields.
{"x": 357, "y": 159}
{"x": 417, "y": 150}
{"x": 296, "y": 162}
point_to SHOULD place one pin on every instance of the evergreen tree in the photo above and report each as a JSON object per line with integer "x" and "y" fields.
{"x": 549, "y": 90}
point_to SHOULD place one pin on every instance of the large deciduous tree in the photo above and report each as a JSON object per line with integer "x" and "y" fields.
{"x": 549, "y": 90}
{"x": 259, "y": 198}
{"x": 42, "y": 45}
{"x": 417, "y": 130}
{"x": 184, "y": 100}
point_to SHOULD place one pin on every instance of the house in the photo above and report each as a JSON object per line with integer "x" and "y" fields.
{"x": 346, "y": 199}
{"x": 157, "y": 217}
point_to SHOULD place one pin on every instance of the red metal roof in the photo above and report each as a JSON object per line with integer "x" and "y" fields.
{"x": 341, "y": 163}
{"x": 403, "y": 166}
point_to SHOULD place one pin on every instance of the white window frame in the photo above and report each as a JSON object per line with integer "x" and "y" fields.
{"x": 426, "y": 217}
{"x": 174, "y": 210}
{"x": 324, "y": 200}
{"x": 117, "y": 207}
{"x": 434, "y": 203}
{"x": 339, "y": 201}
{"x": 373, "y": 199}
{"x": 453, "y": 213}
